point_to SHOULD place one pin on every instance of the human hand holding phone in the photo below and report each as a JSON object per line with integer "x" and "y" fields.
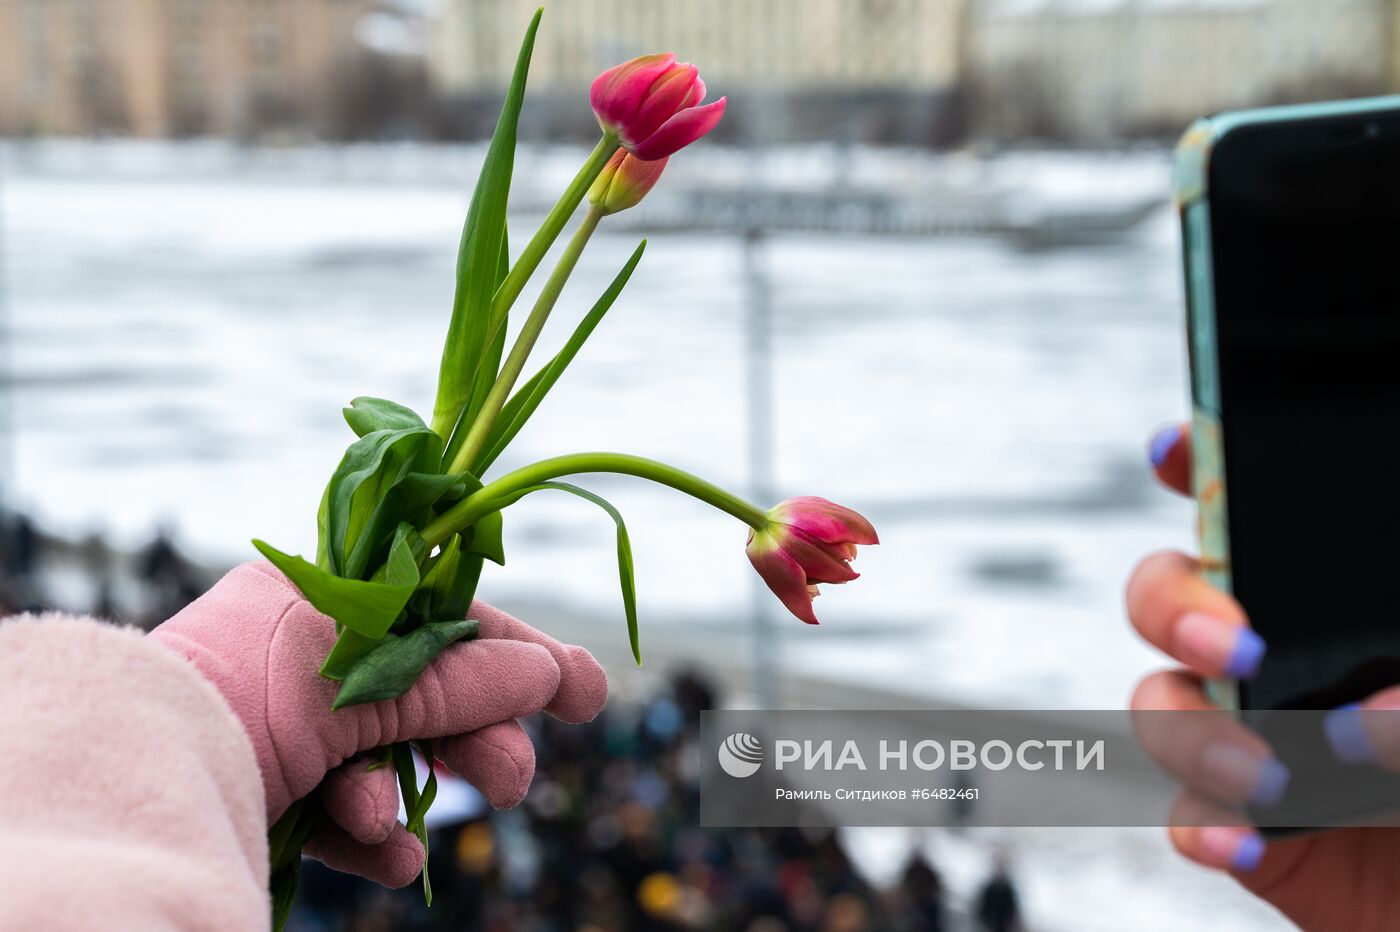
{"x": 1342, "y": 879}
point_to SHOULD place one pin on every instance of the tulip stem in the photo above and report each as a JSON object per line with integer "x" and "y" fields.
{"x": 506, "y": 490}
{"x": 531, "y": 256}
{"x": 534, "y": 251}
{"x": 480, "y": 431}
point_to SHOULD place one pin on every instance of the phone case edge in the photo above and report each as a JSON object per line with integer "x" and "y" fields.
{"x": 1191, "y": 174}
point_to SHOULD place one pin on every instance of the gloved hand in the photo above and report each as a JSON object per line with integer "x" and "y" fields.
{"x": 261, "y": 643}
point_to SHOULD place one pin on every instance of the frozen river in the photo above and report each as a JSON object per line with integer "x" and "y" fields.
{"x": 182, "y": 339}
{"x": 183, "y": 334}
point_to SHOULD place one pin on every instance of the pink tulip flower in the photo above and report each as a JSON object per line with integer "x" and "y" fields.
{"x": 808, "y": 541}
{"x": 625, "y": 180}
{"x": 651, "y": 104}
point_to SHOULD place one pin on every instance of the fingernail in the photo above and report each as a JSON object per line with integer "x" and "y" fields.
{"x": 1243, "y": 775}
{"x": 1237, "y": 848}
{"x": 1215, "y": 644}
{"x": 1346, "y": 735}
{"x": 1246, "y": 655}
{"x": 1161, "y": 446}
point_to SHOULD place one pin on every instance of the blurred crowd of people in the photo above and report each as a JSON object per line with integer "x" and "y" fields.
{"x": 607, "y": 839}
{"x": 40, "y": 571}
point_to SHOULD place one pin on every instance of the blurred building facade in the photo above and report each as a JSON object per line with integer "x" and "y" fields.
{"x": 912, "y": 72}
{"x": 789, "y": 43}
{"x": 171, "y": 67}
{"x": 1099, "y": 70}
{"x": 920, "y": 71}
{"x": 877, "y": 70}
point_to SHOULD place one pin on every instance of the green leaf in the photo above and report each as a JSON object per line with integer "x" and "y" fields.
{"x": 416, "y": 804}
{"x": 479, "y": 256}
{"x": 384, "y": 501}
{"x": 282, "y": 885}
{"x": 385, "y": 478}
{"x": 395, "y": 664}
{"x": 406, "y": 553}
{"x": 289, "y": 834}
{"x": 486, "y": 538}
{"x": 386, "y": 757}
{"x": 401, "y": 569}
{"x": 524, "y": 402}
{"x": 402, "y": 755}
{"x": 429, "y": 793}
{"x": 323, "y": 533}
{"x": 625, "y": 571}
{"x": 449, "y": 585}
{"x": 369, "y": 608}
{"x": 285, "y": 839}
{"x": 350, "y": 646}
{"x": 370, "y": 467}
{"x": 486, "y": 369}
{"x": 443, "y": 568}
{"x": 365, "y": 415}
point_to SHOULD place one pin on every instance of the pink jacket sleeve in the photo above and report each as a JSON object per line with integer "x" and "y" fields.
{"x": 129, "y": 794}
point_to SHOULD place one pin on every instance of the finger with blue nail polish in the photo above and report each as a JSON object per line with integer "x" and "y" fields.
{"x": 1216, "y": 647}
{"x": 1239, "y": 772}
{"x": 1345, "y": 728}
{"x": 1176, "y": 610}
{"x": 1213, "y": 837}
{"x": 1366, "y": 732}
{"x": 1206, "y": 749}
{"x": 1231, "y": 847}
{"x": 1161, "y": 446}
{"x": 1169, "y": 453}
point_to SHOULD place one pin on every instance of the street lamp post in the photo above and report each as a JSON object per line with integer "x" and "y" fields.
{"x": 758, "y": 397}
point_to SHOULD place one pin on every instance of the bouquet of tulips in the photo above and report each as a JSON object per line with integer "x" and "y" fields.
{"x": 409, "y": 518}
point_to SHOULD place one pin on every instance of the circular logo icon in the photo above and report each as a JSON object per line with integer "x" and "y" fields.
{"x": 740, "y": 755}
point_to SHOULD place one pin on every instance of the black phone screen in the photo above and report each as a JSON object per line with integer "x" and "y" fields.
{"x": 1305, "y": 224}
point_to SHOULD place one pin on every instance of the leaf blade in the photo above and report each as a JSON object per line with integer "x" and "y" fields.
{"x": 391, "y": 669}
{"x": 367, "y": 607}
{"x": 366, "y": 415}
{"x": 449, "y": 586}
{"x": 486, "y": 370}
{"x": 518, "y": 410}
{"x": 478, "y": 258}
{"x": 416, "y": 804}
{"x": 486, "y": 538}
{"x": 625, "y": 567}
{"x": 352, "y": 507}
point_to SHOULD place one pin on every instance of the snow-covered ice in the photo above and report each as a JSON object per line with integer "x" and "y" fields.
{"x": 183, "y": 333}
{"x": 182, "y": 343}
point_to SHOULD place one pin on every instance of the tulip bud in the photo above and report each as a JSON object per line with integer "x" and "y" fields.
{"x": 808, "y": 540}
{"x": 625, "y": 180}
{"x": 650, "y": 103}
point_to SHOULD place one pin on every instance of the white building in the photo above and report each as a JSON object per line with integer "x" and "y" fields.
{"x": 1094, "y": 70}
{"x": 884, "y": 70}
{"x": 791, "y": 43}
{"x": 924, "y": 71}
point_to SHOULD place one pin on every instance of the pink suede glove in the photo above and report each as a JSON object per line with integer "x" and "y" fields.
{"x": 256, "y": 639}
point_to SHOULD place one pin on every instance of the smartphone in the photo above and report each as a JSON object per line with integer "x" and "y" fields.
{"x": 1291, "y": 226}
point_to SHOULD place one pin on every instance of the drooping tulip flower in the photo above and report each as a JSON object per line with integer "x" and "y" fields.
{"x": 625, "y": 180}
{"x": 808, "y": 541}
{"x": 651, "y": 104}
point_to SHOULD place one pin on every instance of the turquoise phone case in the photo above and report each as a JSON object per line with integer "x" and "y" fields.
{"x": 1191, "y": 182}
